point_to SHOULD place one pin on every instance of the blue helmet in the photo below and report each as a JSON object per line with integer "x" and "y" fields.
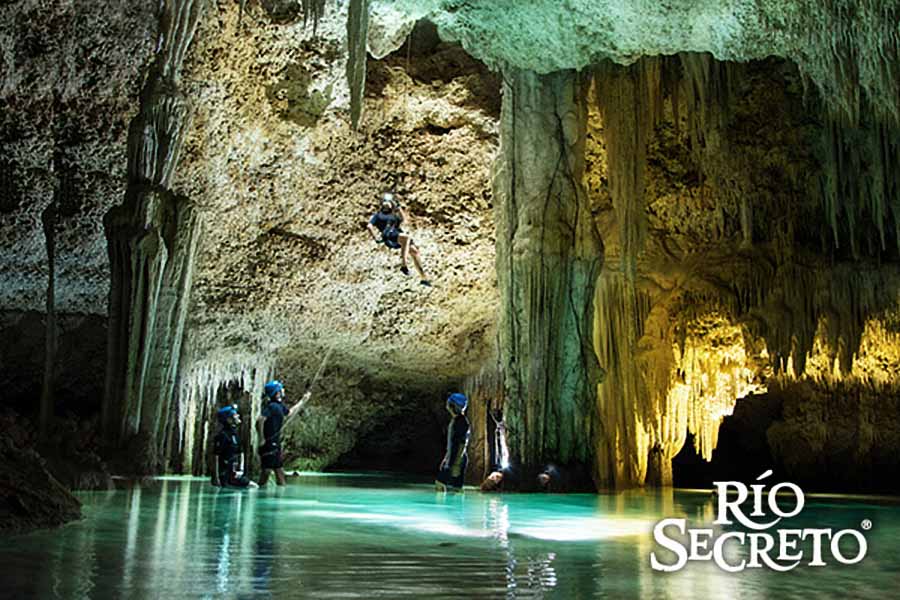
{"x": 226, "y": 412}
{"x": 272, "y": 388}
{"x": 459, "y": 400}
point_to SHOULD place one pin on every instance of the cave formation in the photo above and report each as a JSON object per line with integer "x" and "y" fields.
{"x": 637, "y": 231}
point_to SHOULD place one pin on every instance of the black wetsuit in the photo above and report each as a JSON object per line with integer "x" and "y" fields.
{"x": 227, "y": 448}
{"x": 270, "y": 451}
{"x": 389, "y": 226}
{"x": 457, "y": 441}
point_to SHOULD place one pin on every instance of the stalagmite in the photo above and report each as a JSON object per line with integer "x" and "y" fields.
{"x": 548, "y": 256}
{"x": 152, "y": 241}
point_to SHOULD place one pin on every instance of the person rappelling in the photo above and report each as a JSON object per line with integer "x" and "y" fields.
{"x": 269, "y": 425}
{"x": 385, "y": 227}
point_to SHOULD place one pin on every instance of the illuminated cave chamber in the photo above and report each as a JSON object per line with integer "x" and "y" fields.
{"x": 680, "y": 233}
{"x": 658, "y": 228}
{"x": 724, "y": 265}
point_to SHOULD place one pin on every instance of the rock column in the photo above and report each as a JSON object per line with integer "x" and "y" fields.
{"x": 152, "y": 241}
{"x": 548, "y": 258}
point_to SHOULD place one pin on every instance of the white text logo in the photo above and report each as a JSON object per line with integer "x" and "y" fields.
{"x": 778, "y": 550}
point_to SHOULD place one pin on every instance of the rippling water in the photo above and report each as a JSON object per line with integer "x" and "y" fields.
{"x": 343, "y": 536}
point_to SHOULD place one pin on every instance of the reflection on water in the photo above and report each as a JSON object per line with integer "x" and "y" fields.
{"x": 360, "y": 536}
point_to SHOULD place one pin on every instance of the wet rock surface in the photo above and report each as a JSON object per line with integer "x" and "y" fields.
{"x": 30, "y": 496}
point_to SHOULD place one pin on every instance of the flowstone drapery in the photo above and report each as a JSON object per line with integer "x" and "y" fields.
{"x": 152, "y": 241}
{"x": 685, "y": 327}
{"x": 548, "y": 257}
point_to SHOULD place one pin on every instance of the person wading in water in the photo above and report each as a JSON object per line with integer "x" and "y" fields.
{"x": 453, "y": 468}
{"x": 228, "y": 468}
{"x": 269, "y": 425}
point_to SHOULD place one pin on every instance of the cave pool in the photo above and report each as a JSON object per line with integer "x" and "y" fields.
{"x": 377, "y": 535}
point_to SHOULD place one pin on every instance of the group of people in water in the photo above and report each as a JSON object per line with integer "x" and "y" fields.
{"x": 385, "y": 226}
{"x": 228, "y": 468}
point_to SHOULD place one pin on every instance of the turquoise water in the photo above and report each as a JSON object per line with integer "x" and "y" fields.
{"x": 341, "y": 536}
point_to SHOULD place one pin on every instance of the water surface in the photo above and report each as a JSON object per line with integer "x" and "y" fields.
{"x": 343, "y": 536}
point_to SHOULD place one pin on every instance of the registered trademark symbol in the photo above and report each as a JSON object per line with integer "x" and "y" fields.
{"x": 866, "y": 524}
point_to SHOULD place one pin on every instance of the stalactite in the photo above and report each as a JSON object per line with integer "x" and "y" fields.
{"x": 712, "y": 371}
{"x": 860, "y": 182}
{"x": 357, "y": 36}
{"x": 49, "y": 219}
{"x": 706, "y": 88}
{"x": 548, "y": 256}
{"x": 197, "y": 404}
{"x": 850, "y": 50}
{"x": 312, "y": 12}
{"x": 630, "y": 102}
{"x": 857, "y": 77}
{"x": 152, "y": 242}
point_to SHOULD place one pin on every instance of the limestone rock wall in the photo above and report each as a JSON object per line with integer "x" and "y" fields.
{"x": 70, "y": 75}
{"x": 286, "y": 273}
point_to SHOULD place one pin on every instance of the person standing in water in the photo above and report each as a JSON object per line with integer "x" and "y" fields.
{"x": 453, "y": 468}
{"x": 385, "y": 227}
{"x": 228, "y": 461}
{"x": 269, "y": 425}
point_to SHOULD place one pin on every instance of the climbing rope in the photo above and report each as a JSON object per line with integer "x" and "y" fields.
{"x": 322, "y": 367}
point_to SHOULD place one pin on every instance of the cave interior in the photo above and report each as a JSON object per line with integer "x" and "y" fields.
{"x": 666, "y": 264}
